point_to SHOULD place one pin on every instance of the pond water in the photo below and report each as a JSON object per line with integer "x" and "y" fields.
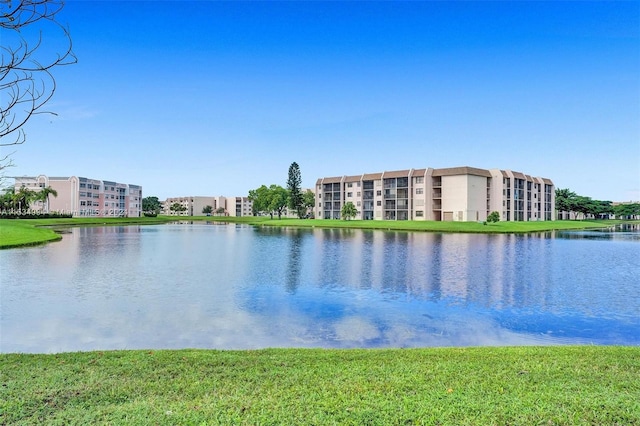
{"x": 229, "y": 286}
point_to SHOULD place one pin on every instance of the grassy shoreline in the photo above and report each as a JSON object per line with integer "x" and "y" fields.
{"x": 508, "y": 385}
{"x": 26, "y": 232}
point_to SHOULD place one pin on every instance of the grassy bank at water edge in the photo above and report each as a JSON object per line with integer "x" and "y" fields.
{"x": 25, "y": 232}
{"x": 446, "y": 386}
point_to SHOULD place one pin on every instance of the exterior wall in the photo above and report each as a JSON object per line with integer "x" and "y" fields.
{"x": 464, "y": 198}
{"x": 477, "y": 198}
{"x": 420, "y": 196}
{"x": 81, "y": 196}
{"x": 454, "y": 198}
{"x": 193, "y": 205}
{"x": 199, "y": 203}
{"x": 454, "y": 194}
{"x": 239, "y": 206}
{"x": 68, "y": 193}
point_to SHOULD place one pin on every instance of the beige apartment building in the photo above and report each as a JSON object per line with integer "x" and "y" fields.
{"x": 449, "y": 194}
{"x": 80, "y": 196}
{"x": 193, "y": 206}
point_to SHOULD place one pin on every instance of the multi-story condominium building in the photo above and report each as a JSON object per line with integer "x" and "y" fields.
{"x": 239, "y": 206}
{"x": 450, "y": 194}
{"x": 81, "y": 196}
{"x": 193, "y": 206}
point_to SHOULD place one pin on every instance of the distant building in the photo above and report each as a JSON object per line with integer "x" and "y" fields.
{"x": 449, "y": 194}
{"x": 239, "y": 206}
{"x": 84, "y": 197}
{"x": 221, "y": 206}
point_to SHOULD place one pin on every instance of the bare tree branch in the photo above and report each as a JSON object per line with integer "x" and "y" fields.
{"x": 26, "y": 81}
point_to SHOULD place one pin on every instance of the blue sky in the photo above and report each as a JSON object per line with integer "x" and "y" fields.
{"x": 217, "y": 98}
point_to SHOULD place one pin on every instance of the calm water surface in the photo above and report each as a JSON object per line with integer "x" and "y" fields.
{"x": 232, "y": 287}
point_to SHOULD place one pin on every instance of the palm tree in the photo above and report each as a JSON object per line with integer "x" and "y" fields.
{"x": 44, "y": 196}
{"x": 23, "y": 197}
{"x": 348, "y": 211}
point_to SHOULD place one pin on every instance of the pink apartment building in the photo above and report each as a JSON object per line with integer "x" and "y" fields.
{"x": 84, "y": 197}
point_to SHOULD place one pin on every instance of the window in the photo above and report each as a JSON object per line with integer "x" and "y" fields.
{"x": 419, "y": 179}
{"x": 419, "y": 213}
{"x": 349, "y": 194}
{"x": 378, "y": 203}
{"x": 358, "y": 194}
{"x": 349, "y": 185}
{"x": 358, "y": 204}
{"x": 419, "y": 191}
{"x": 379, "y": 193}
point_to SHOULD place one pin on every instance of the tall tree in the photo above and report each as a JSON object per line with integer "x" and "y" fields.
{"x": 294, "y": 181}
{"x": 26, "y": 79}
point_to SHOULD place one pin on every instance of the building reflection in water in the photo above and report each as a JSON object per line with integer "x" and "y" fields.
{"x": 235, "y": 286}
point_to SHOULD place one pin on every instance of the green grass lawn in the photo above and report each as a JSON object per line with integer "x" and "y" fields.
{"x": 15, "y": 233}
{"x": 19, "y": 232}
{"x": 574, "y": 385}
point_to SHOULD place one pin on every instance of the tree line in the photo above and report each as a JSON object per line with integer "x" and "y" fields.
{"x": 274, "y": 199}
{"x": 569, "y": 202}
{"x": 20, "y": 200}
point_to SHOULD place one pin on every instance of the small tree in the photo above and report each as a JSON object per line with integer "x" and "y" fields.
{"x": 207, "y": 210}
{"x": 294, "y": 181}
{"x": 493, "y": 217}
{"x": 348, "y": 211}
{"x": 220, "y": 211}
{"x": 308, "y": 201}
{"x": 177, "y": 208}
